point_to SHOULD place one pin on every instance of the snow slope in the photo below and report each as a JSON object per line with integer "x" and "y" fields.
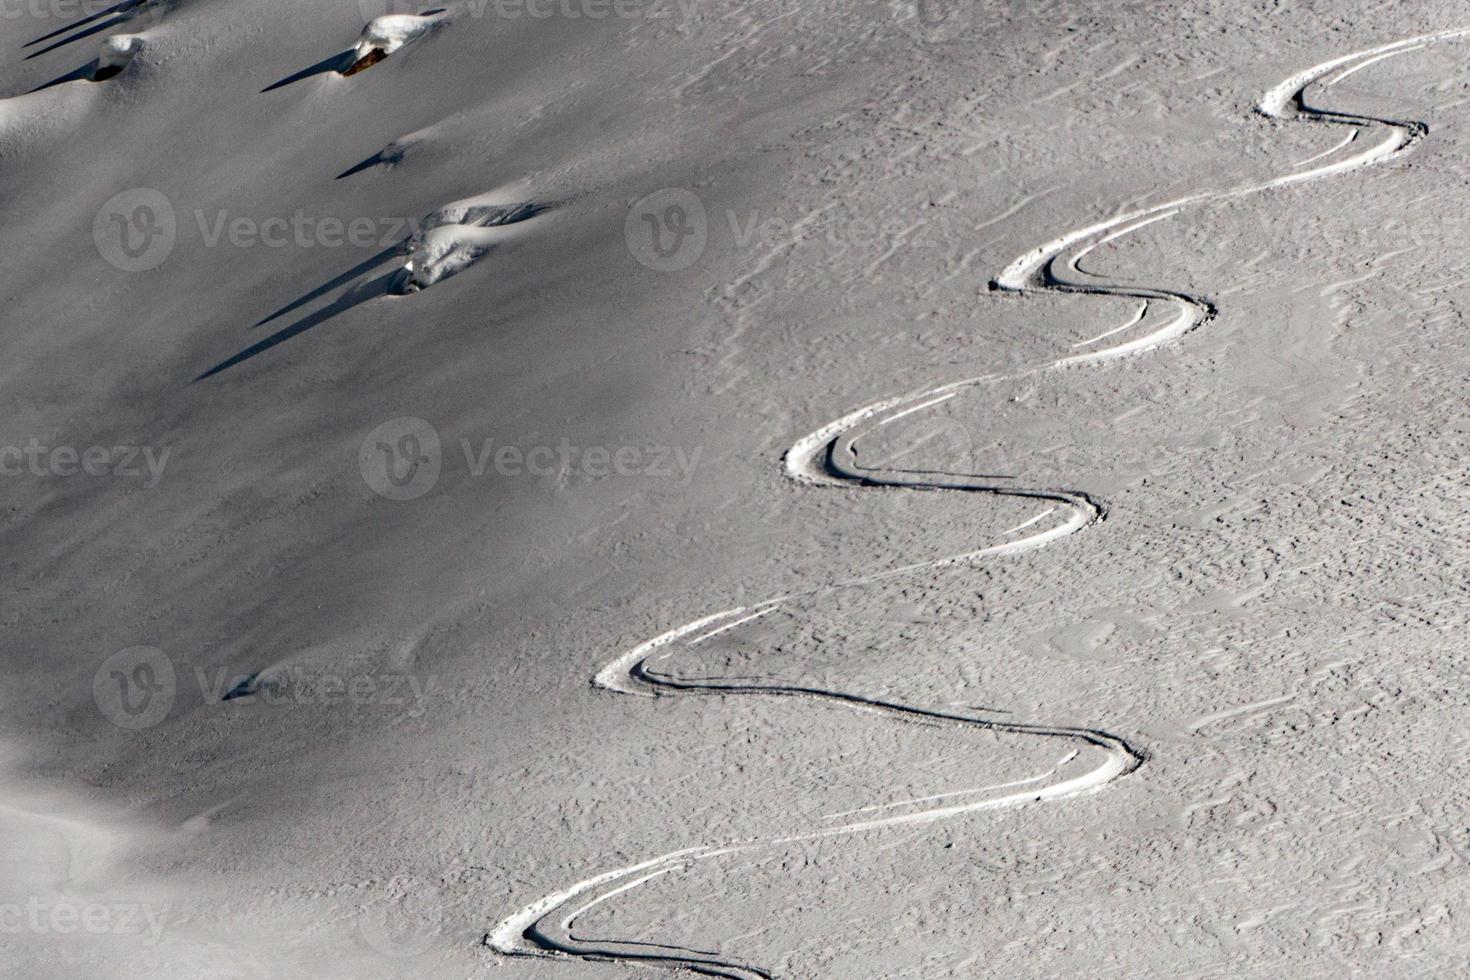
{"x": 301, "y": 315}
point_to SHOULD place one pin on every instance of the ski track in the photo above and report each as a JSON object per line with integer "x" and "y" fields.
{"x": 829, "y": 458}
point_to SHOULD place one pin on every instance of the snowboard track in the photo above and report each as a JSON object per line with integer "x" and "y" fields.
{"x": 829, "y": 458}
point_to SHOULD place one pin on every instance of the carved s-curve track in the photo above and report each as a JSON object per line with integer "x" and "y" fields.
{"x": 829, "y": 458}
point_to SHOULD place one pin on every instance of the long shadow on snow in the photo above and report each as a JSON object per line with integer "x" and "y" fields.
{"x": 395, "y": 250}
{"x": 89, "y": 32}
{"x": 356, "y": 296}
{"x": 84, "y": 73}
{"x": 117, "y": 10}
{"x": 337, "y": 62}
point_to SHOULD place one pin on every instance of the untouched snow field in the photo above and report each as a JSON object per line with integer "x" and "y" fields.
{"x": 799, "y": 489}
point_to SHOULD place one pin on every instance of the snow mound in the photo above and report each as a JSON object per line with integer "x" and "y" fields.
{"x": 438, "y": 254}
{"x": 457, "y": 235}
{"x": 479, "y": 215}
{"x": 116, "y": 53}
{"x": 387, "y": 34}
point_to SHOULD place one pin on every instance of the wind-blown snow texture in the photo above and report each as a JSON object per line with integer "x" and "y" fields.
{"x": 1141, "y": 663}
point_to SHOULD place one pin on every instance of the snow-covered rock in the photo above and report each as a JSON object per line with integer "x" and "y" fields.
{"x": 457, "y": 235}
{"x": 116, "y": 53}
{"x": 392, "y": 32}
